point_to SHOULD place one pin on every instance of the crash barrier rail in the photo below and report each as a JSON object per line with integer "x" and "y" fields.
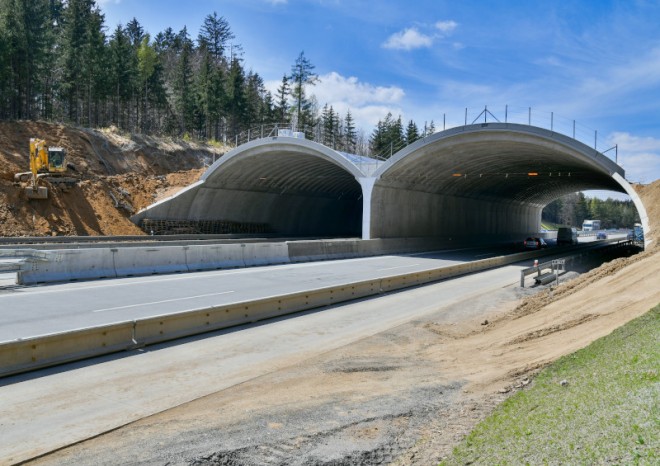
{"x": 554, "y": 266}
{"x": 43, "y": 351}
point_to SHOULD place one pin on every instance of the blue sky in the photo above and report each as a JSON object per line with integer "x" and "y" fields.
{"x": 596, "y": 62}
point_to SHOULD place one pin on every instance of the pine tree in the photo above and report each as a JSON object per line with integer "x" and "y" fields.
{"x": 282, "y": 104}
{"x": 215, "y": 36}
{"x": 97, "y": 64}
{"x": 302, "y": 74}
{"x": 147, "y": 63}
{"x": 412, "y": 133}
{"x": 350, "y": 135}
{"x": 121, "y": 76}
{"x": 236, "y": 99}
{"x": 183, "y": 95}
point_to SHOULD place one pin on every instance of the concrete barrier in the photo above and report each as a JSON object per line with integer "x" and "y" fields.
{"x": 95, "y": 263}
{"x": 265, "y": 254}
{"x": 214, "y": 257}
{"x": 49, "y": 350}
{"x": 69, "y": 264}
{"x": 149, "y": 261}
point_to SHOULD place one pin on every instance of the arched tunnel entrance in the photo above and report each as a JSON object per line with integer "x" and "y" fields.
{"x": 286, "y": 187}
{"x": 486, "y": 183}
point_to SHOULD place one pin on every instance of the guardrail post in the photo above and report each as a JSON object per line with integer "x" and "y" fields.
{"x": 522, "y": 279}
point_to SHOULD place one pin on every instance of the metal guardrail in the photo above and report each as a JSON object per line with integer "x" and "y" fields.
{"x": 551, "y": 265}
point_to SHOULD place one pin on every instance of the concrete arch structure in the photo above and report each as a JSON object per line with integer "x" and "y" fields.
{"x": 294, "y": 186}
{"x": 488, "y": 181}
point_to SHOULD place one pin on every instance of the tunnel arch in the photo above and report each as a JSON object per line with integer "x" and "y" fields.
{"x": 293, "y": 186}
{"x": 490, "y": 179}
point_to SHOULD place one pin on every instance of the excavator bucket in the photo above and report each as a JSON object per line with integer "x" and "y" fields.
{"x": 37, "y": 192}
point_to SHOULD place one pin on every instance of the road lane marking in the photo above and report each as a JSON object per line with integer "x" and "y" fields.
{"x": 161, "y": 302}
{"x": 400, "y": 267}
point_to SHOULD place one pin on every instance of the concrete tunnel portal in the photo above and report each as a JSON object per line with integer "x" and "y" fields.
{"x": 486, "y": 181}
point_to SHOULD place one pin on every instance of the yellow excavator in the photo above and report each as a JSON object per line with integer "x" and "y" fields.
{"x": 45, "y": 162}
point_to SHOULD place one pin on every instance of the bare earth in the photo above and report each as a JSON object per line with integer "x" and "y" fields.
{"x": 120, "y": 174}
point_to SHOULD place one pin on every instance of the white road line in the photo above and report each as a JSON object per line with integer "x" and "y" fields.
{"x": 161, "y": 302}
{"x": 400, "y": 267}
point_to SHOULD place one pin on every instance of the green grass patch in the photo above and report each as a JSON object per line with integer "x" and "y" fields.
{"x": 608, "y": 412}
{"x": 550, "y": 226}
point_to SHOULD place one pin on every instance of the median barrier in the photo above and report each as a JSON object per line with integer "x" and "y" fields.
{"x": 149, "y": 260}
{"x": 49, "y": 350}
{"x": 66, "y": 265}
{"x": 255, "y": 254}
{"x": 214, "y": 257}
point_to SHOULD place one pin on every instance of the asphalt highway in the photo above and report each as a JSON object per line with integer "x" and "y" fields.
{"x": 42, "y": 310}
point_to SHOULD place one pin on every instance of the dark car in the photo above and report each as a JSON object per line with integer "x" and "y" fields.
{"x": 534, "y": 243}
{"x": 601, "y": 235}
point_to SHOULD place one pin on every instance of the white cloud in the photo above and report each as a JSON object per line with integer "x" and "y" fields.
{"x": 368, "y": 103}
{"x": 408, "y": 39}
{"x": 639, "y": 156}
{"x": 446, "y": 27}
{"x": 412, "y": 38}
{"x": 105, "y": 2}
{"x": 333, "y": 87}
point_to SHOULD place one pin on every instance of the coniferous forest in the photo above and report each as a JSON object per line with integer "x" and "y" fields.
{"x": 59, "y": 62}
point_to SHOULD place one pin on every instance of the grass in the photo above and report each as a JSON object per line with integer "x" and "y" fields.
{"x": 608, "y": 412}
{"x": 545, "y": 225}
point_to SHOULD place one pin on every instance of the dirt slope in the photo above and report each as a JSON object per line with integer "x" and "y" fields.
{"x": 119, "y": 174}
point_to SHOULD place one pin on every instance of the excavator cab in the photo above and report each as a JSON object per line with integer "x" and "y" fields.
{"x": 56, "y": 157}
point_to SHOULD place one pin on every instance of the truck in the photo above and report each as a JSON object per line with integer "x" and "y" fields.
{"x": 567, "y": 235}
{"x": 591, "y": 225}
{"x": 638, "y": 233}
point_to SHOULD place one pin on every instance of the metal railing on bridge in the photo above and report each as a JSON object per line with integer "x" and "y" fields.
{"x": 507, "y": 114}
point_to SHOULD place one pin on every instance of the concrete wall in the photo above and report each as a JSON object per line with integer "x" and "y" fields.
{"x": 406, "y": 213}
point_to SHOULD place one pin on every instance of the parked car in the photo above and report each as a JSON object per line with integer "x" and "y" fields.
{"x": 601, "y": 235}
{"x": 534, "y": 243}
{"x": 631, "y": 236}
{"x": 567, "y": 235}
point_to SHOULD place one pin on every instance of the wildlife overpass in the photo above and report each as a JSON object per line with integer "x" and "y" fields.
{"x": 485, "y": 182}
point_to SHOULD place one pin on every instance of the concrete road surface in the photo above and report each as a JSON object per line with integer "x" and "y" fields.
{"x": 42, "y": 310}
{"x": 49, "y": 409}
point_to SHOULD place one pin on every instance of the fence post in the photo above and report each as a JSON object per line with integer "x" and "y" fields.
{"x": 529, "y": 117}
{"x": 465, "y": 117}
{"x": 506, "y": 113}
{"x": 595, "y": 139}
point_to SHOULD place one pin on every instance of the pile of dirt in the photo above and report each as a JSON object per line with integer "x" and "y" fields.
{"x": 119, "y": 175}
{"x": 650, "y": 196}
